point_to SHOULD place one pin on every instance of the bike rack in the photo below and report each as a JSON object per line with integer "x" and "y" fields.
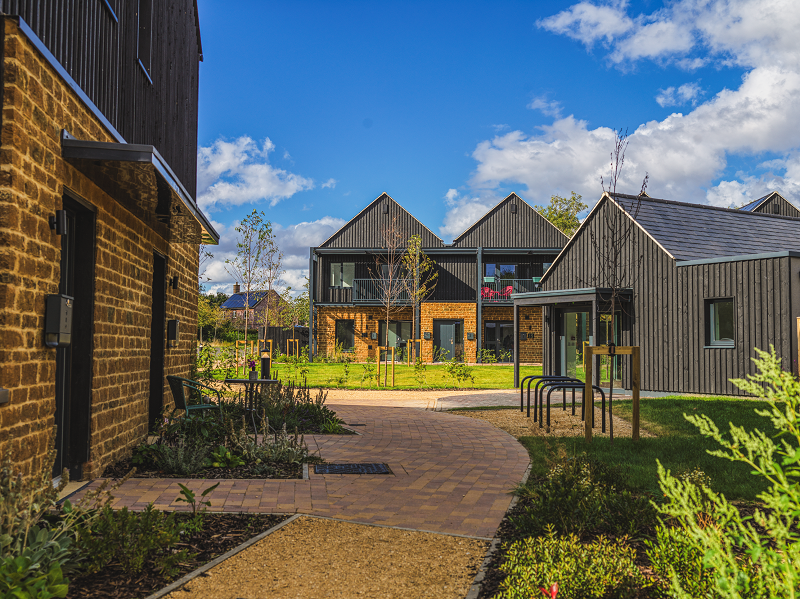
{"x": 573, "y": 386}
{"x": 540, "y": 385}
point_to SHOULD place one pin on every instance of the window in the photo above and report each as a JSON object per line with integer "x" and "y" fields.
{"x": 342, "y": 274}
{"x": 500, "y": 271}
{"x": 720, "y": 322}
{"x": 346, "y": 333}
{"x": 144, "y": 46}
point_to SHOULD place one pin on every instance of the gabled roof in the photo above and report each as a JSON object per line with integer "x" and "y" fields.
{"x": 769, "y": 202}
{"x": 687, "y": 231}
{"x": 497, "y": 228}
{"x": 365, "y": 228}
{"x": 237, "y": 300}
{"x": 695, "y": 231}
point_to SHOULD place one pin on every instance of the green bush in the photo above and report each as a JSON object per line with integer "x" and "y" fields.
{"x": 602, "y": 569}
{"x": 293, "y": 407}
{"x": 757, "y": 556}
{"x": 585, "y": 496}
{"x": 673, "y": 554}
{"x": 35, "y": 572}
{"x": 133, "y": 541}
{"x": 182, "y": 458}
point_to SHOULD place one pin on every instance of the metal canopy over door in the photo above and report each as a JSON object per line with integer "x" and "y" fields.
{"x": 157, "y": 340}
{"x": 575, "y": 329}
{"x": 74, "y": 363}
{"x": 448, "y": 339}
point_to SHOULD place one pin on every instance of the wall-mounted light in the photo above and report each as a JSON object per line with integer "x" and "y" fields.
{"x": 470, "y": 336}
{"x": 373, "y": 336}
{"x": 58, "y": 221}
{"x": 173, "y": 282}
{"x": 426, "y": 336}
{"x": 523, "y": 336}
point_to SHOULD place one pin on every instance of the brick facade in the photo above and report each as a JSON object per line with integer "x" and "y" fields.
{"x": 37, "y": 105}
{"x": 468, "y": 312}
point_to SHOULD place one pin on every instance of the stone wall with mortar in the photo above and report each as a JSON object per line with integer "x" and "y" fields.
{"x": 449, "y": 311}
{"x": 530, "y": 321}
{"x": 366, "y": 320}
{"x": 37, "y": 105}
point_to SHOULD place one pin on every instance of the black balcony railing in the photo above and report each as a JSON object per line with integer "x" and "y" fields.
{"x": 501, "y": 290}
{"x": 372, "y": 290}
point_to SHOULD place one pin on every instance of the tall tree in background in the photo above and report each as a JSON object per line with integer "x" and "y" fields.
{"x": 387, "y": 277}
{"x": 254, "y": 245}
{"x": 295, "y": 309}
{"x": 420, "y": 281}
{"x": 273, "y": 270}
{"x": 563, "y": 212}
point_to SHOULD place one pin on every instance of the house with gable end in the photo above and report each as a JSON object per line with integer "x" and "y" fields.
{"x": 506, "y": 251}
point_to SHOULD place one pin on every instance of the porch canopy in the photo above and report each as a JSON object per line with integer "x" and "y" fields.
{"x": 137, "y": 177}
{"x": 562, "y": 298}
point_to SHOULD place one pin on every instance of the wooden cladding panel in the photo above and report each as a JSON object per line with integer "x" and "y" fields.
{"x": 456, "y": 280}
{"x": 503, "y": 228}
{"x": 668, "y": 316}
{"x": 365, "y": 230}
{"x": 100, "y": 54}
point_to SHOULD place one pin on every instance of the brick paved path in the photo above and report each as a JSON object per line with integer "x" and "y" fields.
{"x": 451, "y": 474}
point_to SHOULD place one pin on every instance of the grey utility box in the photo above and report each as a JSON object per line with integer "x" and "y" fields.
{"x": 58, "y": 321}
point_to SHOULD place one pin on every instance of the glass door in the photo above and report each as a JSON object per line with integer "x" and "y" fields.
{"x": 498, "y": 336}
{"x": 575, "y": 335}
{"x": 399, "y": 334}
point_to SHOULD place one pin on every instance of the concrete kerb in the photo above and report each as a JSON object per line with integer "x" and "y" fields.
{"x": 204, "y": 568}
{"x": 477, "y": 582}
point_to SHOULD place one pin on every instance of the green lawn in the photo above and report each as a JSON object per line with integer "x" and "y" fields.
{"x": 678, "y": 446}
{"x": 487, "y": 376}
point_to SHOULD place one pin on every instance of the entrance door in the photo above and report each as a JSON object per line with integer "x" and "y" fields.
{"x": 399, "y": 334}
{"x": 575, "y": 334}
{"x": 448, "y": 340}
{"x": 499, "y": 337}
{"x": 159, "y": 292}
{"x": 74, "y": 363}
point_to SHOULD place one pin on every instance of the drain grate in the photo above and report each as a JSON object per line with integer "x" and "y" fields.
{"x": 352, "y": 469}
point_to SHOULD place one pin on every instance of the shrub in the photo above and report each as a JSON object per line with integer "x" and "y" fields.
{"x": 420, "y": 372}
{"x": 757, "y": 556}
{"x": 35, "y": 572}
{"x": 673, "y": 554}
{"x": 602, "y": 569}
{"x": 133, "y": 541}
{"x": 182, "y": 458}
{"x": 367, "y": 372}
{"x": 584, "y": 496}
{"x": 294, "y": 407}
{"x": 458, "y": 371}
{"x": 487, "y": 356}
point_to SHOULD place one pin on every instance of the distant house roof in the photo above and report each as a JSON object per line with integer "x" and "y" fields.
{"x": 753, "y": 205}
{"x": 695, "y": 231}
{"x": 237, "y": 300}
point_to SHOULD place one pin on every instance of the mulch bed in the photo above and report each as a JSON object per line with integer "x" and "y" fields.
{"x": 279, "y": 471}
{"x": 221, "y": 533}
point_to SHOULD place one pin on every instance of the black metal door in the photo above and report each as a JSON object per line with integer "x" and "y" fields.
{"x": 159, "y": 292}
{"x": 74, "y": 363}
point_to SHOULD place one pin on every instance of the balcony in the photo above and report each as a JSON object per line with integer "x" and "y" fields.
{"x": 500, "y": 290}
{"x": 373, "y": 291}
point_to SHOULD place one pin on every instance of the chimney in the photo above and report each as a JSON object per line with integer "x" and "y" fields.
{"x": 236, "y": 287}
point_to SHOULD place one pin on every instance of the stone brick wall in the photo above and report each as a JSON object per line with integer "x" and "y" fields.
{"x": 37, "y": 105}
{"x": 366, "y": 321}
{"x": 468, "y": 312}
{"x": 531, "y": 349}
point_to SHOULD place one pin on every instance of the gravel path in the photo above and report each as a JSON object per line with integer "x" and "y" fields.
{"x": 314, "y": 557}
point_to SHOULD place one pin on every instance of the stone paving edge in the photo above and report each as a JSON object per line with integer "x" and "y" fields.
{"x": 194, "y": 574}
{"x": 477, "y": 582}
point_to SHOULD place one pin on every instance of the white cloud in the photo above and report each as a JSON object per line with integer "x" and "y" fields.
{"x": 685, "y": 153}
{"x": 502, "y": 127}
{"x": 232, "y": 173}
{"x": 293, "y": 240}
{"x": 546, "y": 107}
{"x": 685, "y": 94}
{"x": 331, "y": 183}
{"x": 588, "y": 23}
{"x": 463, "y": 212}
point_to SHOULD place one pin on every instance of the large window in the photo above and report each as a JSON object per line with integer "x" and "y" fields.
{"x": 342, "y": 274}
{"x": 500, "y": 272}
{"x": 720, "y": 322}
{"x": 346, "y": 333}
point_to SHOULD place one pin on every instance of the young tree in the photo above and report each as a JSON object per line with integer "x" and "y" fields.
{"x": 387, "y": 277}
{"x": 420, "y": 281}
{"x": 254, "y": 245}
{"x": 563, "y": 212}
{"x": 273, "y": 270}
{"x": 615, "y": 245}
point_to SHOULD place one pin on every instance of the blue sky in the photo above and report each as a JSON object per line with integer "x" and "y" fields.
{"x": 309, "y": 110}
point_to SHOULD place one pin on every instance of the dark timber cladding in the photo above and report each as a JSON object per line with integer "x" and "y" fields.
{"x": 720, "y": 253}
{"x": 512, "y": 224}
{"x": 772, "y": 203}
{"x": 96, "y": 42}
{"x": 366, "y": 228}
{"x": 456, "y": 277}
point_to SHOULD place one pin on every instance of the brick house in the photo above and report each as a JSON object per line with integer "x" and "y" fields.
{"x": 97, "y": 215}
{"x": 506, "y": 251}
{"x": 259, "y": 301}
